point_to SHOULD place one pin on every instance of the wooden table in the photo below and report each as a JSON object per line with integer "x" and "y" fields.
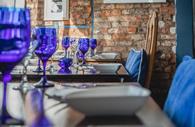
{"x": 78, "y": 76}
{"x": 61, "y": 116}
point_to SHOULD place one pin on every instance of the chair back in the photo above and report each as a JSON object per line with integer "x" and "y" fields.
{"x": 136, "y": 65}
{"x": 150, "y": 46}
{"x": 180, "y": 103}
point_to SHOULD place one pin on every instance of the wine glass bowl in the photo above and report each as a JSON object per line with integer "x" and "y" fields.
{"x": 47, "y": 44}
{"x": 83, "y": 46}
{"x": 65, "y": 63}
{"x": 93, "y": 45}
{"x": 14, "y": 45}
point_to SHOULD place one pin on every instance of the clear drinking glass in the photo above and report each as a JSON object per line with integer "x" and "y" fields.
{"x": 34, "y": 45}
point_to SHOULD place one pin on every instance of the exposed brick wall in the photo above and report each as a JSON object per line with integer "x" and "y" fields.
{"x": 80, "y": 14}
{"x": 36, "y": 7}
{"x": 120, "y": 27}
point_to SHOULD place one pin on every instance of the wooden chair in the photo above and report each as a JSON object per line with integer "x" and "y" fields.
{"x": 150, "y": 46}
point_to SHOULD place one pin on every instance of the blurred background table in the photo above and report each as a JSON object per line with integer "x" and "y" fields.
{"x": 77, "y": 75}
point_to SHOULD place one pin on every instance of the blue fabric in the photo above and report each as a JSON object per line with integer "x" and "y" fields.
{"x": 136, "y": 65}
{"x": 180, "y": 104}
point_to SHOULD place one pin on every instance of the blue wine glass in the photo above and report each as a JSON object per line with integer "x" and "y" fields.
{"x": 66, "y": 44}
{"x": 93, "y": 45}
{"x": 83, "y": 46}
{"x": 14, "y": 45}
{"x": 46, "y": 48}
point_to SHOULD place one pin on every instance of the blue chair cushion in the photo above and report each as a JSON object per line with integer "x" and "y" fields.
{"x": 136, "y": 65}
{"x": 180, "y": 103}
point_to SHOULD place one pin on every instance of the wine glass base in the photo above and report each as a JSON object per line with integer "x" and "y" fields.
{"x": 38, "y": 70}
{"x": 9, "y": 120}
{"x": 42, "y": 84}
{"x": 24, "y": 87}
{"x": 65, "y": 71}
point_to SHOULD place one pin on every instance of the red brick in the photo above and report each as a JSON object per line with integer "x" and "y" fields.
{"x": 115, "y": 13}
{"x": 121, "y": 37}
{"x": 132, "y": 30}
{"x": 118, "y": 30}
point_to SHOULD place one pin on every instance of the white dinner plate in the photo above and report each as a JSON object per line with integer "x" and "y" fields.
{"x": 107, "y": 67}
{"x": 107, "y": 55}
{"x": 111, "y": 100}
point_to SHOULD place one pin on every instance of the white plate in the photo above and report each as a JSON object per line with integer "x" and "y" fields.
{"x": 109, "y": 55}
{"x": 113, "y": 100}
{"x": 107, "y": 68}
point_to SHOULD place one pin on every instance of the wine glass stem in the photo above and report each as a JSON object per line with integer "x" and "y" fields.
{"x": 92, "y": 52}
{"x": 65, "y": 53}
{"x": 42, "y": 100}
{"x": 44, "y": 73}
{"x": 4, "y": 105}
{"x": 39, "y": 63}
{"x": 83, "y": 59}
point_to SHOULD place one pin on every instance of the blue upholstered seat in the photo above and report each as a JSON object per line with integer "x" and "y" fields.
{"x": 136, "y": 65}
{"x": 180, "y": 104}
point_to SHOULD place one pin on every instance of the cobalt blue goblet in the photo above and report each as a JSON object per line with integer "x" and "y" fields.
{"x": 45, "y": 49}
{"x": 83, "y": 46}
{"x": 14, "y": 45}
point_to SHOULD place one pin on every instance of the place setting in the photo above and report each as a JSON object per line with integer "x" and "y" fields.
{"x": 90, "y": 100}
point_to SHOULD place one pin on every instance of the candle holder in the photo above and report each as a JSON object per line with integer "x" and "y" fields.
{"x": 65, "y": 63}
